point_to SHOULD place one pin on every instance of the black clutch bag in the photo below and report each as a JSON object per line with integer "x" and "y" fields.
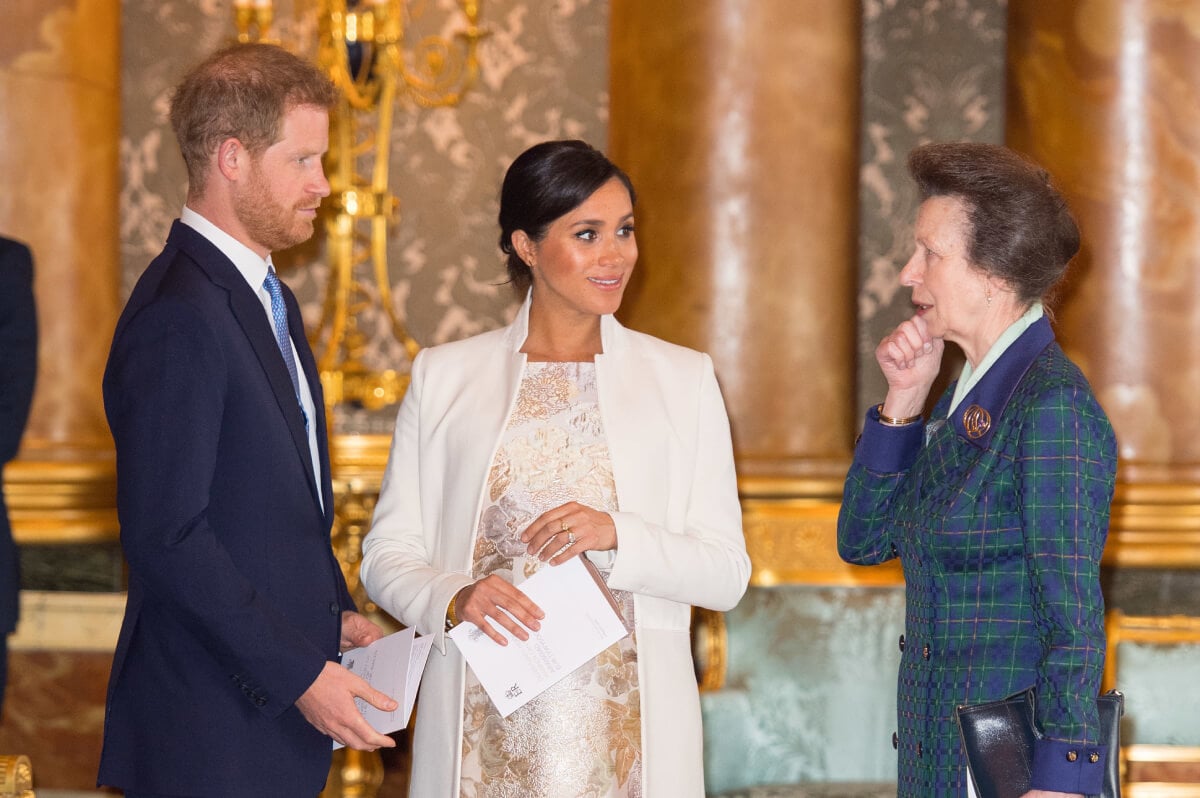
{"x": 998, "y": 737}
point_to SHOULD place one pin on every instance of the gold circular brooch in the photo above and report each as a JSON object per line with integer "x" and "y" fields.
{"x": 977, "y": 422}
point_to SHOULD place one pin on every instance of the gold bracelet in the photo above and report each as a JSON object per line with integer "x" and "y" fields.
{"x": 451, "y": 614}
{"x": 892, "y": 421}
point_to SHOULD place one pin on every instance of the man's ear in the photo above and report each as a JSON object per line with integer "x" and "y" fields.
{"x": 232, "y": 158}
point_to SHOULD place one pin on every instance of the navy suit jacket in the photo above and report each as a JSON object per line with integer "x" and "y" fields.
{"x": 18, "y": 367}
{"x": 235, "y": 596}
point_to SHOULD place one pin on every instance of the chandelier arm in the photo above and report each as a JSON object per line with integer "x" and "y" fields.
{"x": 361, "y": 125}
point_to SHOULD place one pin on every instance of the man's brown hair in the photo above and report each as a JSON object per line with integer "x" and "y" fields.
{"x": 243, "y": 92}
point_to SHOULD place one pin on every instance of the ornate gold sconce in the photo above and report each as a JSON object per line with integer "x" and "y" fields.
{"x": 361, "y": 48}
{"x": 253, "y": 19}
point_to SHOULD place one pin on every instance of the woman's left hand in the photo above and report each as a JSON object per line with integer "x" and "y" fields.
{"x": 573, "y": 528}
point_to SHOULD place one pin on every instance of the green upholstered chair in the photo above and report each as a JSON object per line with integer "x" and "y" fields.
{"x": 1155, "y": 661}
{"x": 799, "y": 692}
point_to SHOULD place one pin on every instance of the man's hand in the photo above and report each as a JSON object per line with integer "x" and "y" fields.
{"x": 357, "y": 631}
{"x": 328, "y": 704}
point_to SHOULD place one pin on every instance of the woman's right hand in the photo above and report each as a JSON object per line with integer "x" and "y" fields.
{"x": 494, "y": 600}
{"x": 910, "y": 359}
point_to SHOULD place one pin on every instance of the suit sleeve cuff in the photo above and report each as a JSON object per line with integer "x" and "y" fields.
{"x": 1068, "y": 767}
{"x": 888, "y": 450}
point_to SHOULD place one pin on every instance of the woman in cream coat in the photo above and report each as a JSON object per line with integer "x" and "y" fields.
{"x": 673, "y": 541}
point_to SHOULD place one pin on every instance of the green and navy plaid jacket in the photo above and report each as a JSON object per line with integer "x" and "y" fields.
{"x": 999, "y": 516}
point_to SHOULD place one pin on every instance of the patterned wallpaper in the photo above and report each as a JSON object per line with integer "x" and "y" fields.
{"x": 543, "y": 75}
{"x": 932, "y": 69}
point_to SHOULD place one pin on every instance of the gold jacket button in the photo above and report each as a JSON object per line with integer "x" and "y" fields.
{"x": 1093, "y": 757}
{"x": 1072, "y": 756}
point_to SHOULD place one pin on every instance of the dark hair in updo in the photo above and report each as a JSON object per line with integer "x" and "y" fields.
{"x": 1021, "y": 229}
{"x": 545, "y": 182}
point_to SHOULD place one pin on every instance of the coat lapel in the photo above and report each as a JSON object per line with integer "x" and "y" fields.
{"x": 977, "y": 414}
{"x": 311, "y": 374}
{"x": 248, "y": 312}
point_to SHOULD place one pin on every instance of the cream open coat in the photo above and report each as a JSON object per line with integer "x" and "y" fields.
{"x": 679, "y": 529}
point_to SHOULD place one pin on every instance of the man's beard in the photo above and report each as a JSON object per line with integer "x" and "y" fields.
{"x": 267, "y": 222}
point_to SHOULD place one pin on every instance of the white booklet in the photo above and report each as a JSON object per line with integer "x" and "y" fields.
{"x": 393, "y": 665}
{"x": 581, "y": 621}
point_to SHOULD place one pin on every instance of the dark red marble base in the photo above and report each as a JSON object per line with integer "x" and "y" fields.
{"x": 54, "y": 714}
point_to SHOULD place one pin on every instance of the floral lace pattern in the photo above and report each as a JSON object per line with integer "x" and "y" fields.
{"x": 581, "y": 737}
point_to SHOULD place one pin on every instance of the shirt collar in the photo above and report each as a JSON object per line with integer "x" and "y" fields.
{"x": 248, "y": 263}
{"x": 970, "y": 376}
{"x": 518, "y": 330}
{"x": 985, "y": 401}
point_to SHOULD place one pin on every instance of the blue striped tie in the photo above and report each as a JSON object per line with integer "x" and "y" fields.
{"x": 279, "y": 314}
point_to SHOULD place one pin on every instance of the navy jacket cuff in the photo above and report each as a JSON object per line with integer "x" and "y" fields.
{"x": 888, "y": 450}
{"x": 1068, "y": 767}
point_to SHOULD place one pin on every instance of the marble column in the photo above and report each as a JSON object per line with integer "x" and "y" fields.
{"x": 1106, "y": 95}
{"x": 59, "y": 128}
{"x": 738, "y": 125}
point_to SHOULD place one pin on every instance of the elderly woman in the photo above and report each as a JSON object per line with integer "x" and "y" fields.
{"x": 563, "y": 434}
{"x": 998, "y": 505}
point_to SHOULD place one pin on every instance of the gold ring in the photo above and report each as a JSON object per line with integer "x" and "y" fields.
{"x": 565, "y": 527}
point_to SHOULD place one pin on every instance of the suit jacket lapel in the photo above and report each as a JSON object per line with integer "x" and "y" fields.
{"x": 311, "y": 374}
{"x": 976, "y": 415}
{"x": 248, "y": 311}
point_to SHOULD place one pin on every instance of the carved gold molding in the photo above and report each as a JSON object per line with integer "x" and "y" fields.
{"x": 1155, "y": 525}
{"x": 791, "y": 531}
{"x": 790, "y": 522}
{"x": 357, "y": 463}
{"x": 16, "y": 777}
{"x": 710, "y": 648}
{"x": 70, "y": 499}
{"x": 794, "y": 541}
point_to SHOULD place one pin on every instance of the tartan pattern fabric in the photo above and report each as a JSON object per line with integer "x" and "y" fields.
{"x": 1000, "y": 545}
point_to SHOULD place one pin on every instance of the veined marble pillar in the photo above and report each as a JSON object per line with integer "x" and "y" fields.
{"x": 59, "y": 130}
{"x": 1106, "y": 95}
{"x": 737, "y": 122}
